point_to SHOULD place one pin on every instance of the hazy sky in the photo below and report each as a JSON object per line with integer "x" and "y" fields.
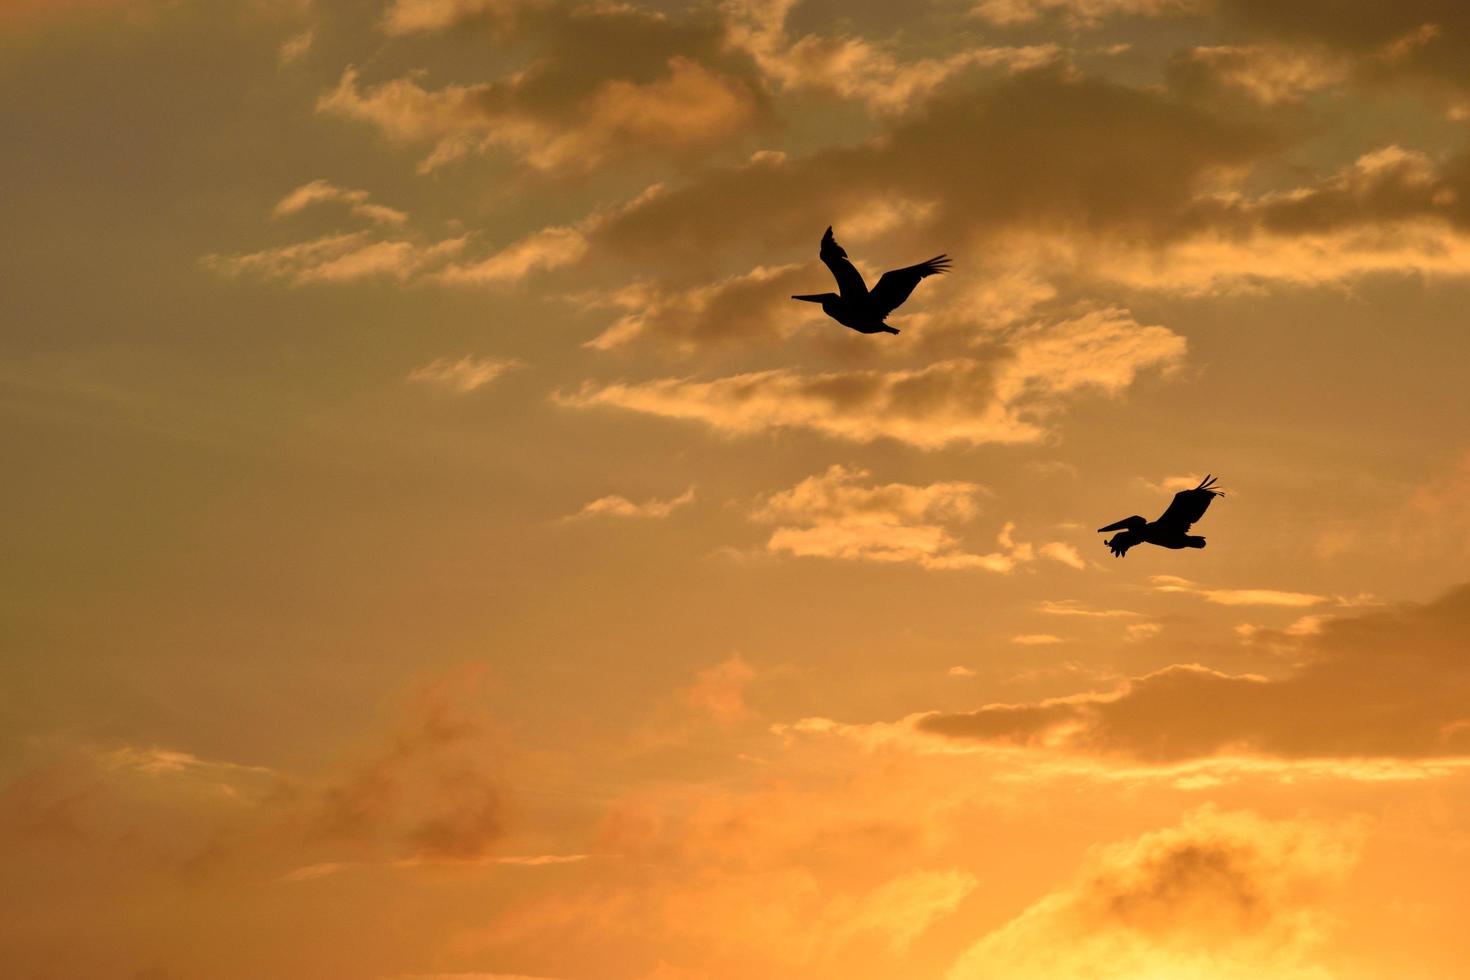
{"x": 437, "y": 547}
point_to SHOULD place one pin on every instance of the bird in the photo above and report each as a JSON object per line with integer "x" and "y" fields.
{"x": 1170, "y": 530}
{"x": 862, "y": 309}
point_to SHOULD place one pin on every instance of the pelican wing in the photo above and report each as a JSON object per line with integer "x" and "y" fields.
{"x": 1189, "y": 506}
{"x": 849, "y": 281}
{"x": 894, "y": 287}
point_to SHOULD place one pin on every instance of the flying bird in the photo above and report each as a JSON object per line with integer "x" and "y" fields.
{"x": 858, "y": 307}
{"x": 1171, "y": 529}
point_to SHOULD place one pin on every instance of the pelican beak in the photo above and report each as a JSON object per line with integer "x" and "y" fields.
{"x": 810, "y": 298}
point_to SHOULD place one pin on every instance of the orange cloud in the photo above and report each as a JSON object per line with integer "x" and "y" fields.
{"x": 1005, "y": 399}
{"x": 1390, "y": 683}
{"x": 834, "y": 515}
{"x": 616, "y": 505}
{"x": 338, "y": 259}
{"x": 1228, "y": 896}
{"x": 464, "y": 375}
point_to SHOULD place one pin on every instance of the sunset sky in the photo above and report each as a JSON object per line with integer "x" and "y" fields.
{"x": 437, "y": 548}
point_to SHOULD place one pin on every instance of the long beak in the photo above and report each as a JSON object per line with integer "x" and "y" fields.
{"x": 810, "y": 298}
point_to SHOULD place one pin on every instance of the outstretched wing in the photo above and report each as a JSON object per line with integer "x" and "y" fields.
{"x": 1189, "y": 506}
{"x": 849, "y": 281}
{"x": 894, "y": 287}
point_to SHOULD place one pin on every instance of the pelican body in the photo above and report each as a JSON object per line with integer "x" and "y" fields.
{"x": 1172, "y": 527}
{"x": 855, "y": 306}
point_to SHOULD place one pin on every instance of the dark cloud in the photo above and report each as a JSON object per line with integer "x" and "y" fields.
{"x": 1221, "y": 894}
{"x": 1424, "y": 41}
{"x": 603, "y": 81}
{"x": 430, "y": 791}
{"x": 1391, "y": 683}
{"x": 1043, "y": 150}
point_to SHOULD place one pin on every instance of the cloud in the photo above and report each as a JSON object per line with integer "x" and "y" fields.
{"x": 154, "y": 761}
{"x": 295, "y": 47}
{"x": 961, "y": 671}
{"x": 1051, "y": 140}
{"x": 1071, "y": 607}
{"x": 323, "y": 192}
{"x": 1079, "y": 13}
{"x": 1036, "y": 639}
{"x": 1391, "y": 211}
{"x": 719, "y": 691}
{"x": 1236, "y": 597}
{"x": 464, "y": 375}
{"x": 1007, "y": 398}
{"x": 424, "y": 16}
{"x": 608, "y": 81}
{"x": 1269, "y": 74}
{"x": 855, "y": 68}
{"x": 1227, "y": 895}
{"x": 1137, "y": 632}
{"x": 616, "y": 505}
{"x": 429, "y": 795}
{"x": 836, "y": 514}
{"x": 782, "y": 878}
{"x": 1419, "y": 42}
{"x": 746, "y": 308}
{"x": 341, "y": 258}
{"x": 549, "y": 248}
{"x": 1390, "y": 683}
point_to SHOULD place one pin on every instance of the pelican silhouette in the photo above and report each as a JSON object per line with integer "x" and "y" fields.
{"x": 1169, "y": 531}
{"x": 857, "y": 307}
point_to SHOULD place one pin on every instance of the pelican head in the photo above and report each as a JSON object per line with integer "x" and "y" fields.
{"x": 817, "y": 297}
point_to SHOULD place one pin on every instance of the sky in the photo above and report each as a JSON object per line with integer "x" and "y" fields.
{"x": 439, "y": 549}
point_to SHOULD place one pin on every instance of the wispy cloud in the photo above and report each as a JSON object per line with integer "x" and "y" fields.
{"x": 1006, "y": 399}
{"x": 462, "y": 375}
{"x": 616, "y": 505}
{"x": 325, "y": 192}
{"x": 341, "y": 258}
{"x": 1236, "y": 597}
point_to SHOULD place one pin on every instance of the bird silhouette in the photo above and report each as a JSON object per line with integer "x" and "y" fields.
{"x": 1171, "y": 529}
{"x": 859, "y": 308}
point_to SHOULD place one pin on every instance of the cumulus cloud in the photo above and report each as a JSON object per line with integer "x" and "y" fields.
{"x": 855, "y": 68}
{"x": 1389, "y": 683}
{"x": 1054, "y": 142}
{"x": 1391, "y": 211}
{"x": 1008, "y": 398}
{"x": 609, "y": 81}
{"x": 463, "y": 375}
{"x": 1421, "y": 42}
{"x": 837, "y": 514}
{"x": 616, "y": 505}
{"x": 1226, "y": 895}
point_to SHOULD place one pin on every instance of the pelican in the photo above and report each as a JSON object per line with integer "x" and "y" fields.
{"x": 857, "y": 307}
{"x": 1169, "y": 531}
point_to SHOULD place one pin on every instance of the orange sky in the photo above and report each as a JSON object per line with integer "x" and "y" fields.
{"x": 440, "y": 549}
